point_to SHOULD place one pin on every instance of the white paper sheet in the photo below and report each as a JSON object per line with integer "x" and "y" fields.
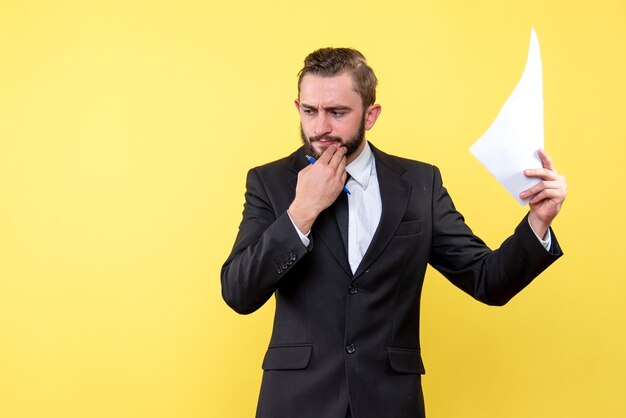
{"x": 510, "y": 144}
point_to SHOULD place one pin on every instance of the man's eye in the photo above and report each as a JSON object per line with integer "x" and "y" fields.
{"x": 337, "y": 114}
{"x": 308, "y": 111}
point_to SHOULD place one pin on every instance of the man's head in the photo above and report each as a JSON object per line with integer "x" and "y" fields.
{"x": 329, "y": 62}
{"x": 336, "y": 95}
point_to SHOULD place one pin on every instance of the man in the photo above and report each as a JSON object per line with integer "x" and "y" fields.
{"x": 347, "y": 269}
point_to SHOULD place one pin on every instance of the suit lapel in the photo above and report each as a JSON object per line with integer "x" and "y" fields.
{"x": 325, "y": 227}
{"x": 298, "y": 162}
{"x": 394, "y": 194}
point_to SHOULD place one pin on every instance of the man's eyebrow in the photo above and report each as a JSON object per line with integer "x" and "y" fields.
{"x": 338, "y": 108}
{"x": 329, "y": 108}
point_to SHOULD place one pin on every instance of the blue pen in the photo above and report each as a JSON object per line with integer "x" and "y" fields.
{"x": 312, "y": 160}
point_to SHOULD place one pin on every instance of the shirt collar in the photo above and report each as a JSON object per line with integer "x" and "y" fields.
{"x": 361, "y": 168}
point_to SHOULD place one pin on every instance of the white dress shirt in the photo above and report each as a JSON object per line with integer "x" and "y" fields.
{"x": 365, "y": 208}
{"x": 364, "y": 205}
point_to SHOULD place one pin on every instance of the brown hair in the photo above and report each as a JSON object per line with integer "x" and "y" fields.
{"x": 329, "y": 62}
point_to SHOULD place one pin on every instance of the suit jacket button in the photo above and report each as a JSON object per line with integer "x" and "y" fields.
{"x": 350, "y": 349}
{"x": 283, "y": 266}
{"x": 353, "y": 290}
{"x": 280, "y": 271}
{"x": 292, "y": 257}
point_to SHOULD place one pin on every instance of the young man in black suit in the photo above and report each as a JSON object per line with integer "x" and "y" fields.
{"x": 347, "y": 266}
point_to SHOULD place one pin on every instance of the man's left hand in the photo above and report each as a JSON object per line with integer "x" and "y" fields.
{"x": 546, "y": 197}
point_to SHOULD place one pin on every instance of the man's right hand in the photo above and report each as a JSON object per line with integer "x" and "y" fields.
{"x": 318, "y": 186}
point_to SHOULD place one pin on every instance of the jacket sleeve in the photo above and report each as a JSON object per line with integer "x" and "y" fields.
{"x": 266, "y": 248}
{"x": 493, "y": 277}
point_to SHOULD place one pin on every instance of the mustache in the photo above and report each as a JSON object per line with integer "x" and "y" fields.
{"x": 325, "y": 137}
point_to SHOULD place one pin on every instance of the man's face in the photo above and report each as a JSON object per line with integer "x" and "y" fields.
{"x": 331, "y": 111}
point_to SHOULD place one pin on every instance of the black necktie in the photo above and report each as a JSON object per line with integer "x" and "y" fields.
{"x": 341, "y": 213}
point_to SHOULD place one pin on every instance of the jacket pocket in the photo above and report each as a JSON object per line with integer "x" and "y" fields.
{"x": 287, "y": 357}
{"x": 405, "y": 360}
{"x": 409, "y": 228}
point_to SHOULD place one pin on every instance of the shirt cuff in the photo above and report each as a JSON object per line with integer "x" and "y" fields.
{"x": 304, "y": 238}
{"x": 545, "y": 241}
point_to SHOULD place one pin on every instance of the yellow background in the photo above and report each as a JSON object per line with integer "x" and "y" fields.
{"x": 126, "y": 130}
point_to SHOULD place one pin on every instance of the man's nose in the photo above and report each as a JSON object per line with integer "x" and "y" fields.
{"x": 322, "y": 125}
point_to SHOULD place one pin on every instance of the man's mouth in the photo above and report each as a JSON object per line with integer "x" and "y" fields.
{"x": 326, "y": 141}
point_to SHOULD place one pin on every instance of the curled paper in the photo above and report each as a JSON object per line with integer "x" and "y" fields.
{"x": 510, "y": 144}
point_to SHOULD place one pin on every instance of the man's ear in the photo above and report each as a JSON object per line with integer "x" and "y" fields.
{"x": 371, "y": 115}
{"x": 297, "y": 103}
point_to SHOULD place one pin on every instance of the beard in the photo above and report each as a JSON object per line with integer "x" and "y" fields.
{"x": 351, "y": 145}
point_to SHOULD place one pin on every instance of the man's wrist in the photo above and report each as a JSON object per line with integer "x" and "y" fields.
{"x": 545, "y": 239}
{"x": 539, "y": 227}
{"x": 301, "y": 218}
{"x": 303, "y": 237}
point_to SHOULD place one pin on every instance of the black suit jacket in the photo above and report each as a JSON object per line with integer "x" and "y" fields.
{"x": 341, "y": 338}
